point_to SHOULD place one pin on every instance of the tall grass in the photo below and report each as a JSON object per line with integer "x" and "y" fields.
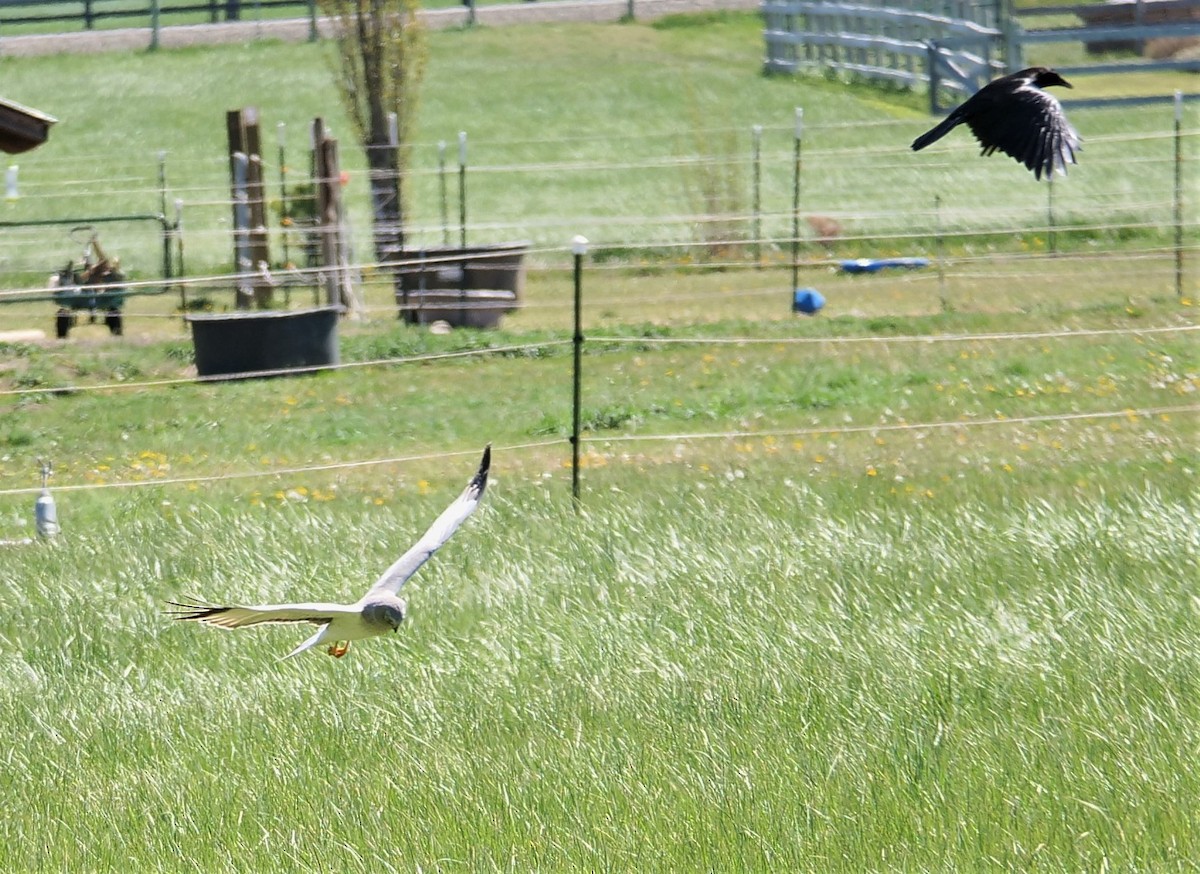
{"x": 747, "y": 674}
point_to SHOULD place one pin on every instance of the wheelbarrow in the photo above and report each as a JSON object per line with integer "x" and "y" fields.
{"x": 96, "y": 285}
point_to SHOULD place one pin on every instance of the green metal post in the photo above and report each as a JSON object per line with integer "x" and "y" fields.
{"x": 756, "y": 133}
{"x": 1051, "y": 234}
{"x": 442, "y": 192}
{"x": 796, "y": 152}
{"x": 1179, "y": 194}
{"x": 462, "y": 187}
{"x": 578, "y": 249}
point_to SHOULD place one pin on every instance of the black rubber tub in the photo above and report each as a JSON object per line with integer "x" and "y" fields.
{"x": 264, "y": 342}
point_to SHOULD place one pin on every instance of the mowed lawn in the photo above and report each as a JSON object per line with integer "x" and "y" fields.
{"x": 907, "y": 586}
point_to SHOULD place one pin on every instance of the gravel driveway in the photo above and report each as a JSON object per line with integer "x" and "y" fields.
{"x": 296, "y": 29}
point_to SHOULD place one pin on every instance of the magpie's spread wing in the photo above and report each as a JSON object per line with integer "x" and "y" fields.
{"x": 1029, "y": 125}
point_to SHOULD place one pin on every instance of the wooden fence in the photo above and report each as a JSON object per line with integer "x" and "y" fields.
{"x": 947, "y": 45}
{"x": 52, "y": 15}
{"x": 953, "y": 47}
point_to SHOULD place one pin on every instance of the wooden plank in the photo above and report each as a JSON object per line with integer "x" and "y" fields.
{"x": 1191, "y": 66}
{"x": 1091, "y": 8}
{"x": 1149, "y": 100}
{"x": 943, "y": 23}
{"x": 1120, "y": 32}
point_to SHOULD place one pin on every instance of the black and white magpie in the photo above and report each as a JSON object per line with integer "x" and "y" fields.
{"x": 1014, "y": 115}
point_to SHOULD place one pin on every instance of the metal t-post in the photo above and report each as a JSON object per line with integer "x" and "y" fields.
{"x": 462, "y": 187}
{"x": 796, "y": 153}
{"x": 579, "y": 246}
{"x": 1179, "y": 194}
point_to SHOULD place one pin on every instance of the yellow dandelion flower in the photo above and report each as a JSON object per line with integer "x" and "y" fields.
{"x": 423, "y": 487}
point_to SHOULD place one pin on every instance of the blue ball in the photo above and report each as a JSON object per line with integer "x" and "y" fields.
{"x": 807, "y": 300}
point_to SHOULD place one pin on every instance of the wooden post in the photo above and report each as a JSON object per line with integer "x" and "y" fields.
{"x": 329, "y": 209}
{"x": 256, "y": 192}
{"x": 252, "y": 252}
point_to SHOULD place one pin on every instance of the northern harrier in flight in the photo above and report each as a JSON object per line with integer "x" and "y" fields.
{"x": 377, "y": 612}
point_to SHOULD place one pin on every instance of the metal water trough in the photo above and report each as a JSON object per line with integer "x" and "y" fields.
{"x": 470, "y": 287}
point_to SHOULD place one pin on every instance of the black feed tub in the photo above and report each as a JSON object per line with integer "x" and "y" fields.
{"x": 264, "y": 341}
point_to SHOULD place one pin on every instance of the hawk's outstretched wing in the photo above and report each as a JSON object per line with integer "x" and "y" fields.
{"x": 242, "y": 617}
{"x": 439, "y": 532}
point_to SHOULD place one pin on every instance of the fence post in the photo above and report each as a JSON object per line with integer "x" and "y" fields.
{"x": 285, "y": 213}
{"x": 579, "y": 246}
{"x": 796, "y": 151}
{"x": 313, "y": 32}
{"x": 177, "y": 232}
{"x": 940, "y": 252}
{"x": 756, "y": 132}
{"x": 1051, "y": 234}
{"x": 154, "y": 13}
{"x": 166, "y": 228}
{"x": 462, "y": 187}
{"x": 442, "y": 192}
{"x": 931, "y": 53}
{"x": 1179, "y": 194}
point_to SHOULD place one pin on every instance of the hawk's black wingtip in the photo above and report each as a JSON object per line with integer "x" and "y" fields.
{"x": 190, "y": 609}
{"x": 479, "y": 481}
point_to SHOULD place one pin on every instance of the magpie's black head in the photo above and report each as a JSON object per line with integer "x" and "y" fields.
{"x": 1043, "y": 77}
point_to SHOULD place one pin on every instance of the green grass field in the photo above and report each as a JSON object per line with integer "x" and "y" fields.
{"x": 652, "y": 155}
{"x": 908, "y": 586}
